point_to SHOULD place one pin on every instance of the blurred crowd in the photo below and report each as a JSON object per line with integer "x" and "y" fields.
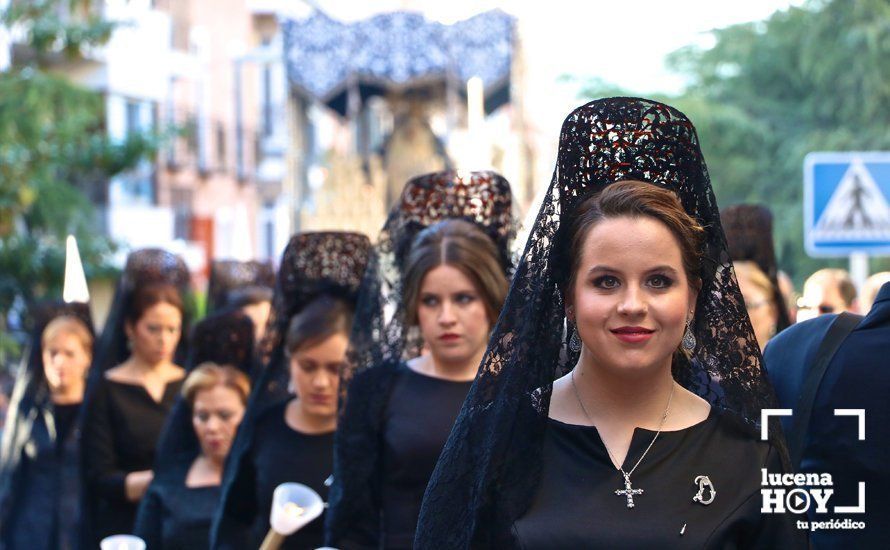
{"x": 189, "y": 432}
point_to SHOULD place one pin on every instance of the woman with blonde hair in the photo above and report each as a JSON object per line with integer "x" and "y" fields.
{"x": 178, "y": 508}
{"x": 760, "y": 295}
{"x": 39, "y": 478}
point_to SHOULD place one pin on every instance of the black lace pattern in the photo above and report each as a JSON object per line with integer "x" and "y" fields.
{"x": 313, "y": 264}
{"x": 749, "y": 236}
{"x": 488, "y": 471}
{"x": 227, "y": 276}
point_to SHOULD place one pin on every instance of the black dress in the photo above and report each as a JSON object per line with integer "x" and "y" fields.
{"x": 576, "y": 505}
{"x": 41, "y": 508}
{"x": 417, "y": 422}
{"x": 173, "y": 516}
{"x": 122, "y": 424}
{"x": 278, "y": 454}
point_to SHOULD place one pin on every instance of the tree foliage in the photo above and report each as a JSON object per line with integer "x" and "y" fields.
{"x": 54, "y": 151}
{"x": 809, "y": 78}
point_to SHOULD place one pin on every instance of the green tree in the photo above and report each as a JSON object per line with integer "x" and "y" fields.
{"x": 809, "y": 78}
{"x": 55, "y": 155}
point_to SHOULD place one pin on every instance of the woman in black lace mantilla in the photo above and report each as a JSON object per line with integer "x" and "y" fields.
{"x": 636, "y": 425}
{"x": 287, "y": 434}
{"x": 133, "y": 383}
{"x": 440, "y": 273}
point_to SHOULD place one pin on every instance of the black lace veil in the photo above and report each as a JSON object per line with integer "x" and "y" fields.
{"x": 30, "y": 393}
{"x": 488, "y": 471}
{"x": 381, "y": 337}
{"x": 313, "y": 264}
{"x": 224, "y": 338}
{"x": 230, "y": 276}
{"x": 749, "y": 236}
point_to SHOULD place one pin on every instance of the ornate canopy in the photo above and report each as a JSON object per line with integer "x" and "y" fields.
{"x": 328, "y": 59}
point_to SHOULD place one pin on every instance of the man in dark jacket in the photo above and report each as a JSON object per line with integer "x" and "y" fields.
{"x": 857, "y": 377}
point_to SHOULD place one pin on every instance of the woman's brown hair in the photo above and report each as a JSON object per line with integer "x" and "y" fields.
{"x": 151, "y": 295}
{"x": 637, "y": 199}
{"x": 322, "y": 318}
{"x": 209, "y": 375}
{"x": 462, "y": 245}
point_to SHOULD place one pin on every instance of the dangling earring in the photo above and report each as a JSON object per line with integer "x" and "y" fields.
{"x": 688, "y": 337}
{"x": 575, "y": 340}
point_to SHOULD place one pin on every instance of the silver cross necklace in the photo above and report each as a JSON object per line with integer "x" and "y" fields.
{"x": 628, "y": 492}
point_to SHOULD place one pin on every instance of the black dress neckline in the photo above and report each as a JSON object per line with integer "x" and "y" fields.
{"x": 639, "y": 441}
{"x": 285, "y": 405}
{"x": 177, "y": 383}
{"x": 404, "y": 366}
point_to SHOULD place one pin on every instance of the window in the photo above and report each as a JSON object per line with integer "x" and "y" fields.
{"x": 221, "y": 145}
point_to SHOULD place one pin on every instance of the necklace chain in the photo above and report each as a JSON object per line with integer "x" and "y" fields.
{"x": 660, "y": 426}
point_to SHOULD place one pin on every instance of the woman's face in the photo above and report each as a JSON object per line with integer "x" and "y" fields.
{"x": 155, "y": 335}
{"x": 259, "y": 314}
{"x": 452, "y": 316}
{"x": 216, "y": 414}
{"x": 65, "y": 362}
{"x": 631, "y": 296}
{"x": 315, "y": 374}
{"x": 761, "y": 309}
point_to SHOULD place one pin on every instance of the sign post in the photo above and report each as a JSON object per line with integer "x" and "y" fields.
{"x": 847, "y": 207}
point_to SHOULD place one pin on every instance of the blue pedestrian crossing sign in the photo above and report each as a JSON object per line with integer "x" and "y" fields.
{"x": 847, "y": 203}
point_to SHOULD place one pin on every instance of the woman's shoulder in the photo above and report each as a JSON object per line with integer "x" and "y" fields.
{"x": 737, "y": 436}
{"x": 125, "y": 373}
{"x": 372, "y": 378}
{"x": 273, "y": 411}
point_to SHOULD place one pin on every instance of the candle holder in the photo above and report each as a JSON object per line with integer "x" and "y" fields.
{"x": 122, "y": 542}
{"x": 293, "y": 506}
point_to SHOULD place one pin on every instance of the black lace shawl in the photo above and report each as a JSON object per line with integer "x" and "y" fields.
{"x": 488, "y": 472}
{"x": 224, "y": 338}
{"x": 749, "y": 236}
{"x": 227, "y": 276}
{"x": 381, "y": 338}
{"x": 29, "y": 394}
{"x": 313, "y": 264}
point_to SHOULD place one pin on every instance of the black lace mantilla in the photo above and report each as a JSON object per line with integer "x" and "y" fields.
{"x": 227, "y": 276}
{"x": 312, "y": 264}
{"x": 488, "y": 471}
{"x": 749, "y": 235}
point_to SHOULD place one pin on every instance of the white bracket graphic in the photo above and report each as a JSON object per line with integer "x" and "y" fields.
{"x": 854, "y": 412}
{"x": 764, "y": 420}
{"x": 859, "y": 508}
